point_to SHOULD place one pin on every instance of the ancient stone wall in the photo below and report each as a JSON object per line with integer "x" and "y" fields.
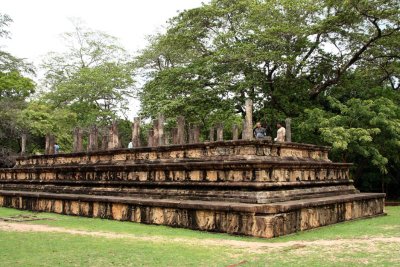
{"x": 249, "y": 187}
{"x": 241, "y": 219}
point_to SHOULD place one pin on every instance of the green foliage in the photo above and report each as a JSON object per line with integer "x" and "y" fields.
{"x": 359, "y": 128}
{"x": 125, "y": 132}
{"x": 84, "y": 48}
{"x": 88, "y": 84}
{"x": 94, "y": 94}
{"x": 41, "y": 119}
{"x": 92, "y": 78}
{"x": 15, "y": 88}
{"x": 282, "y": 54}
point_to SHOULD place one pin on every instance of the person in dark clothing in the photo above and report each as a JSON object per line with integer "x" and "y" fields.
{"x": 259, "y": 132}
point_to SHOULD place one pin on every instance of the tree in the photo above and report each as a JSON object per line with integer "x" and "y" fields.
{"x": 84, "y": 48}
{"x": 95, "y": 94}
{"x": 275, "y": 52}
{"x": 41, "y": 118}
{"x": 362, "y": 131}
{"x": 92, "y": 78}
{"x": 15, "y": 88}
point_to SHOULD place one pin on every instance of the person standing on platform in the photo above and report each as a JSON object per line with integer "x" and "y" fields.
{"x": 56, "y": 148}
{"x": 281, "y": 133}
{"x": 130, "y": 145}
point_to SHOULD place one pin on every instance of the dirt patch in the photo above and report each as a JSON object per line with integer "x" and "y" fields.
{"x": 390, "y": 227}
{"x": 253, "y": 246}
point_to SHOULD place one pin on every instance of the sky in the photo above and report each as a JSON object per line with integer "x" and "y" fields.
{"x": 37, "y": 25}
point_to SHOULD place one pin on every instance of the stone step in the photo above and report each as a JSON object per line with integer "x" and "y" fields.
{"x": 178, "y": 165}
{"x": 240, "y": 149}
{"x": 249, "y": 170}
{"x": 258, "y": 209}
{"x": 291, "y": 205}
{"x": 252, "y": 186}
{"x": 192, "y": 193}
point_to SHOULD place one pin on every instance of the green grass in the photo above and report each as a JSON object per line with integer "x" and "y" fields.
{"x": 381, "y": 226}
{"x": 49, "y": 249}
{"x": 45, "y": 249}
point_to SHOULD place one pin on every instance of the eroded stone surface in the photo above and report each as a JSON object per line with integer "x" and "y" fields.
{"x": 227, "y": 150}
{"x": 255, "y": 187}
{"x": 234, "y": 222}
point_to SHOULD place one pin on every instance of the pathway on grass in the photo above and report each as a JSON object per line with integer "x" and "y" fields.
{"x": 251, "y": 245}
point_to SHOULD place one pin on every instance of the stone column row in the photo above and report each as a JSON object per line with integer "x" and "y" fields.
{"x": 109, "y": 139}
{"x": 157, "y": 136}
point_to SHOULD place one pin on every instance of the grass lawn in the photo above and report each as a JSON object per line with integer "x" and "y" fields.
{"x": 75, "y": 241}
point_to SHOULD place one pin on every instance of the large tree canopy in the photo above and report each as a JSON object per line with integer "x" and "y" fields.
{"x": 273, "y": 51}
{"x": 87, "y": 84}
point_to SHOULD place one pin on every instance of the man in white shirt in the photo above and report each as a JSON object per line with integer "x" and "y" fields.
{"x": 281, "y": 133}
{"x": 130, "y": 145}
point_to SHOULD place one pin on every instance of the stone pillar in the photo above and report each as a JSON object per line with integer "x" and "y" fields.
{"x": 196, "y": 133}
{"x": 244, "y": 129}
{"x": 155, "y": 133}
{"x": 190, "y": 135}
{"x": 113, "y": 136}
{"x": 212, "y": 132}
{"x": 174, "y": 136}
{"x": 167, "y": 138}
{"x": 220, "y": 131}
{"x": 180, "y": 121}
{"x": 50, "y": 142}
{"x": 93, "y": 139}
{"x": 150, "y": 138}
{"x": 104, "y": 140}
{"x": 288, "y": 122}
{"x": 136, "y": 132}
{"x": 235, "y": 132}
{"x": 23, "y": 144}
{"x": 161, "y": 138}
{"x": 78, "y": 136}
{"x": 248, "y": 130}
{"x": 46, "y": 144}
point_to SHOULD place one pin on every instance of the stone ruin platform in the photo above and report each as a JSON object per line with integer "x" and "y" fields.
{"x": 255, "y": 187}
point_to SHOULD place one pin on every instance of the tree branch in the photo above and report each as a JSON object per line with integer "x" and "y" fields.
{"x": 317, "y": 89}
{"x": 309, "y": 53}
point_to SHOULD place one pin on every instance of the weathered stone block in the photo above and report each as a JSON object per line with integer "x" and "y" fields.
{"x": 212, "y": 176}
{"x": 119, "y": 212}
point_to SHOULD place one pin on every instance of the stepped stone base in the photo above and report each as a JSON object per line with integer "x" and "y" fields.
{"x": 269, "y": 220}
{"x": 257, "y": 187}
